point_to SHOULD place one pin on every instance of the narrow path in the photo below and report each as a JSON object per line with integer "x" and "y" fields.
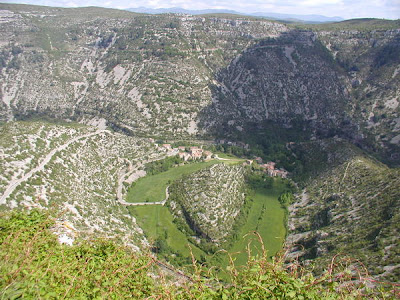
{"x": 220, "y": 158}
{"x": 172, "y": 270}
{"x": 15, "y": 183}
{"x": 344, "y": 176}
{"x": 136, "y": 174}
{"x": 166, "y": 195}
{"x": 123, "y": 202}
{"x": 123, "y": 177}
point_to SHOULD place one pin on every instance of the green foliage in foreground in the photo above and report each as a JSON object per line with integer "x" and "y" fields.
{"x": 34, "y": 266}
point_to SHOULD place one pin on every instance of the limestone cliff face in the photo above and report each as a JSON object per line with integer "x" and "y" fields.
{"x": 335, "y": 82}
{"x": 370, "y": 57}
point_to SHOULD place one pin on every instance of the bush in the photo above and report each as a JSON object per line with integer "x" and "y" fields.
{"x": 286, "y": 199}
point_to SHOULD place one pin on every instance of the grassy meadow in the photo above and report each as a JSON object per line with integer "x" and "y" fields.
{"x": 152, "y": 188}
{"x": 265, "y": 216}
{"x": 156, "y": 221}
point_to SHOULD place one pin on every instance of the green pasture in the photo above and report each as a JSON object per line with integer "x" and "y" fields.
{"x": 266, "y": 217}
{"x": 156, "y": 221}
{"x": 152, "y": 188}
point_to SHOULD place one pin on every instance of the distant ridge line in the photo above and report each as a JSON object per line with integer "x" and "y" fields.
{"x": 274, "y": 16}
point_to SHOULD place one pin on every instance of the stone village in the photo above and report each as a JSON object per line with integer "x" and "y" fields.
{"x": 196, "y": 153}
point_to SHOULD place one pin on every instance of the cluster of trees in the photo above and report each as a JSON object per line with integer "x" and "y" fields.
{"x": 164, "y": 251}
{"x": 14, "y": 63}
{"x": 259, "y": 180}
{"x": 162, "y": 165}
{"x": 389, "y": 54}
{"x": 269, "y": 141}
{"x": 286, "y": 199}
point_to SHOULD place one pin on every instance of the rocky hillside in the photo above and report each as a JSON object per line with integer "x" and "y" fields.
{"x": 289, "y": 78}
{"x": 177, "y": 75}
{"x": 369, "y": 53}
{"x": 339, "y": 79}
{"x": 146, "y": 74}
{"x": 209, "y": 201}
{"x": 351, "y": 208}
{"x": 74, "y": 169}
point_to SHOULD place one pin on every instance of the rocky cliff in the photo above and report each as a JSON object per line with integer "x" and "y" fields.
{"x": 146, "y": 74}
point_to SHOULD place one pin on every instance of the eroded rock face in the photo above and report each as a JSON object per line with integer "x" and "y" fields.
{"x": 329, "y": 82}
{"x": 143, "y": 74}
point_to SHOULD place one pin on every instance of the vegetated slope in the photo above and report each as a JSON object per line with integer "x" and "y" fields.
{"x": 284, "y": 79}
{"x": 75, "y": 169}
{"x": 208, "y": 201}
{"x": 23, "y": 144}
{"x": 351, "y": 208}
{"x": 328, "y": 79}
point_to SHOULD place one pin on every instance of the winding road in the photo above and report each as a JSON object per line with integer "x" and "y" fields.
{"x": 220, "y": 158}
{"x": 123, "y": 202}
{"x": 130, "y": 173}
{"x": 16, "y": 182}
{"x": 134, "y": 174}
